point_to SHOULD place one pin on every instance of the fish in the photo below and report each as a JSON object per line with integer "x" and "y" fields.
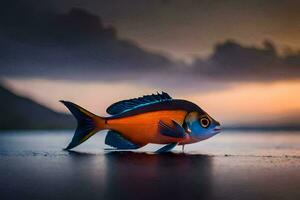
{"x": 155, "y": 119}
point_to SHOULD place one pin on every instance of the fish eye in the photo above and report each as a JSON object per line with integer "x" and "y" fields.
{"x": 204, "y": 122}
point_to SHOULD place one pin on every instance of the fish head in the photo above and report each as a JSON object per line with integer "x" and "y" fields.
{"x": 201, "y": 126}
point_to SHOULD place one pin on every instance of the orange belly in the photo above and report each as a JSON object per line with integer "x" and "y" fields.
{"x": 143, "y": 128}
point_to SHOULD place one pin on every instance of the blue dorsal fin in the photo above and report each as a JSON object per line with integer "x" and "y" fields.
{"x": 130, "y": 104}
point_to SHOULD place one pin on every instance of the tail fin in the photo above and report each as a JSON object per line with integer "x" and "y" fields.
{"x": 87, "y": 124}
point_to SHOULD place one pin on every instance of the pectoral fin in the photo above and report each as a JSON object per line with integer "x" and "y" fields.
{"x": 166, "y": 148}
{"x": 171, "y": 128}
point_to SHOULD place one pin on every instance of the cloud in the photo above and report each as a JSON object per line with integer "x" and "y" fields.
{"x": 77, "y": 45}
{"x": 234, "y": 62}
{"x": 72, "y": 45}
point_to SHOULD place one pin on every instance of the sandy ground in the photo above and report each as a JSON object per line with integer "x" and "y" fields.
{"x": 33, "y": 167}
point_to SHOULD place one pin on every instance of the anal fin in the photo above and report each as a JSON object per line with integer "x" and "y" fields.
{"x": 115, "y": 139}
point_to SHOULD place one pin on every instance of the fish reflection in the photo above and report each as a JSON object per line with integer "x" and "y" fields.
{"x": 150, "y": 176}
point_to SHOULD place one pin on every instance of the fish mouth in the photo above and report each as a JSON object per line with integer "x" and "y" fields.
{"x": 217, "y": 129}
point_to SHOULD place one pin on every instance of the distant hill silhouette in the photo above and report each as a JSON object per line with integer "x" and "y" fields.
{"x": 22, "y": 113}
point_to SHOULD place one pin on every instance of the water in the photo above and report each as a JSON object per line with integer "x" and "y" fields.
{"x": 231, "y": 165}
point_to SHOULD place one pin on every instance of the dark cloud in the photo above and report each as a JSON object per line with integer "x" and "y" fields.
{"x": 77, "y": 45}
{"x": 69, "y": 45}
{"x": 194, "y": 26}
{"x": 234, "y": 62}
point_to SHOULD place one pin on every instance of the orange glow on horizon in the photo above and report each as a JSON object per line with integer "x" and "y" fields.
{"x": 241, "y": 103}
{"x": 252, "y": 101}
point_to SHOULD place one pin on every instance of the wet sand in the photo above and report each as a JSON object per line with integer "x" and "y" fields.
{"x": 33, "y": 167}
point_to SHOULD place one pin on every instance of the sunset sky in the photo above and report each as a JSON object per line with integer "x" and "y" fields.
{"x": 239, "y": 61}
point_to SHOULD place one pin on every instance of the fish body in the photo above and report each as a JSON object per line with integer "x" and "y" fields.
{"x": 134, "y": 123}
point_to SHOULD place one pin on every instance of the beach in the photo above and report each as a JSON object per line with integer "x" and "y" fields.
{"x": 231, "y": 165}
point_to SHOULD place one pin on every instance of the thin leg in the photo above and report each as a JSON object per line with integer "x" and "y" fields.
{"x": 183, "y": 148}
